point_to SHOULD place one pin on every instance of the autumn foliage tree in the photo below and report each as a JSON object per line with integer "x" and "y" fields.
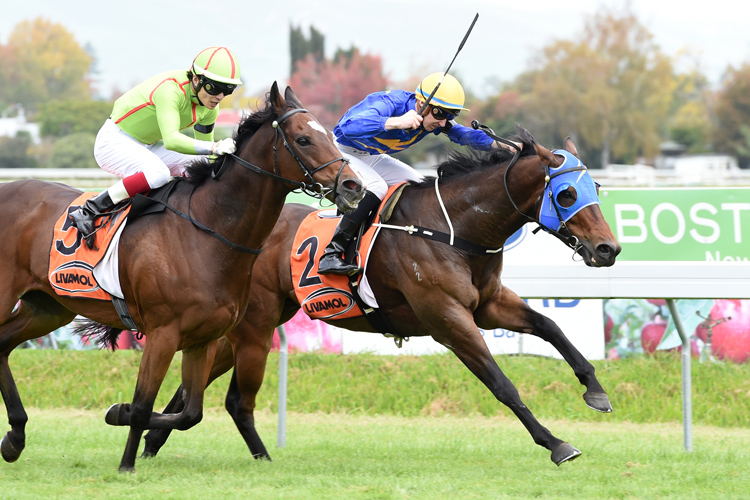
{"x": 41, "y": 62}
{"x": 330, "y": 88}
{"x": 611, "y": 88}
{"x": 732, "y": 132}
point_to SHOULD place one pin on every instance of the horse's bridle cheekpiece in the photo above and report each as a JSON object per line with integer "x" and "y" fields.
{"x": 314, "y": 189}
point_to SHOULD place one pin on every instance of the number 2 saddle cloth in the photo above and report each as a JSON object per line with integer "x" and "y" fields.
{"x": 332, "y": 296}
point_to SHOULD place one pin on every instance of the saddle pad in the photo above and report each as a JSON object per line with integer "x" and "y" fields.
{"x": 71, "y": 262}
{"x": 328, "y": 296}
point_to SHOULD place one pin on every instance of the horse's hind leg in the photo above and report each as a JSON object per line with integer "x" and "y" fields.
{"x": 37, "y": 315}
{"x": 252, "y": 343}
{"x": 462, "y": 336}
{"x": 508, "y": 311}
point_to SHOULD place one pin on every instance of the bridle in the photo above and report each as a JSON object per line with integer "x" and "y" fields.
{"x": 312, "y": 187}
{"x": 566, "y": 236}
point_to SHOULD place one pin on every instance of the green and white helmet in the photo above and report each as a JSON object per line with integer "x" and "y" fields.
{"x": 218, "y": 64}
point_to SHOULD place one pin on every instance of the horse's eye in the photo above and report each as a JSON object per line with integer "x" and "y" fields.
{"x": 303, "y": 141}
{"x": 567, "y": 198}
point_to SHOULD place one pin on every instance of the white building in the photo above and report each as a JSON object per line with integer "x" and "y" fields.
{"x": 9, "y": 127}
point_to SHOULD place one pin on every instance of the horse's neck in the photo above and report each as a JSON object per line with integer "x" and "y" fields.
{"x": 479, "y": 207}
{"x": 242, "y": 205}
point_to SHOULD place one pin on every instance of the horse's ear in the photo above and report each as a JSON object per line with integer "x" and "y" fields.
{"x": 547, "y": 156}
{"x": 278, "y": 102}
{"x": 570, "y": 147}
{"x": 291, "y": 98}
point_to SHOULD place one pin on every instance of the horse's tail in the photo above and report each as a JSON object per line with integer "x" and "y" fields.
{"x": 103, "y": 335}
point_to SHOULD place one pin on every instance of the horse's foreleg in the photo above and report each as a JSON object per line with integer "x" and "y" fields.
{"x": 461, "y": 335}
{"x": 157, "y": 356}
{"x": 223, "y": 362}
{"x": 507, "y": 310}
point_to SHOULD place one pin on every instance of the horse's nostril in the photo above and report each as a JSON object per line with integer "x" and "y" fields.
{"x": 604, "y": 250}
{"x": 352, "y": 185}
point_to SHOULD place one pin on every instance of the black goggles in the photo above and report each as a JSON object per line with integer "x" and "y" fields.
{"x": 441, "y": 114}
{"x": 215, "y": 88}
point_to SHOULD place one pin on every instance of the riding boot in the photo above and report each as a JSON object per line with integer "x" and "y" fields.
{"x": 332, "y": 262}
{"x": 85, "y": 216}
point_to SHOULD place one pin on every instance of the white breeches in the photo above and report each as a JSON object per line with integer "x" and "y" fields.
{"x": 378, "y": 171}
{"x": 120, "y": 154}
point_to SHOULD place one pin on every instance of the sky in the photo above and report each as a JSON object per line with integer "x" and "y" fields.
{"x": 137, "y": 39}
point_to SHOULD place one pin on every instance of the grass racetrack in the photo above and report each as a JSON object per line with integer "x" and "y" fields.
{"x": 358, "y": 450}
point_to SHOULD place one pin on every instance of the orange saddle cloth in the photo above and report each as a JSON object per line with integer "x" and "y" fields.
{"x": 72, "y": 262}
{"x": 326, "y": 296}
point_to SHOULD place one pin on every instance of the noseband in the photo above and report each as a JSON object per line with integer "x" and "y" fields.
{"x": 313, "y": 188}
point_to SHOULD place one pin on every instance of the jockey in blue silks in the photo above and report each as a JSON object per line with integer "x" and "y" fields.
{"x": 389, "y": 122}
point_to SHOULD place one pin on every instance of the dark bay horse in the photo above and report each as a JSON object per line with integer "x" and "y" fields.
{"x": 184, "y": 286}
{"x": 427, "y": 288}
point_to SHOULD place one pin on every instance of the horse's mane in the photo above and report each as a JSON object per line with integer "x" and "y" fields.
{"x": 200, "y": 170}
{"x": 459, "y": 163}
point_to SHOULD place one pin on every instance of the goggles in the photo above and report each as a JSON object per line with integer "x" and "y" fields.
{"x": 441, "y": 114}
{"x": 215, "y": 88}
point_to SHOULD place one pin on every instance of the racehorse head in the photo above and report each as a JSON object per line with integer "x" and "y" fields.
{"x": 284, "y": 141}
{"x": 312, "y": 157}
{"x": 569, "y": 207}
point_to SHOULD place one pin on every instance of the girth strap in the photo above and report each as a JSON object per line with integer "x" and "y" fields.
{"x": 122, "y": 311}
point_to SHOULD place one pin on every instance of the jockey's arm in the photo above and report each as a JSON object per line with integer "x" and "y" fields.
{"x": 168, "y": 116}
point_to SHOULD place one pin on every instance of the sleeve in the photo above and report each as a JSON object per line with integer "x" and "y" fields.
{"x": 465, "y": 136}
{"x": 367, "y": 119}
{"x": 204, "y": 129}
{"x": 167, "y": 105}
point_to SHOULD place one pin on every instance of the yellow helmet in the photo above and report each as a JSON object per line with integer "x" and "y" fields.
{"x": 450, "y": 94}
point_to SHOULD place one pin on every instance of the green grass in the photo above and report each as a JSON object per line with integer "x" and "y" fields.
{"x": 72, "y": 454}
{"x": 642, "y": 390}
{"x": 385, "y": 427}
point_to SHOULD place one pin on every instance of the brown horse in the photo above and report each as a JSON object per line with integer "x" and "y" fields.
{"x": 426, "y": 288}
{"x": 186, "y": 282}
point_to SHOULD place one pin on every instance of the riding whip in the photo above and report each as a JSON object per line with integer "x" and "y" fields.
{"x": 424, "y": 108}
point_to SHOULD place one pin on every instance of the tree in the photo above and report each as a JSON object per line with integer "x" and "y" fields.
{"x": 731, "y": 134}
{"x": 60, "y": 118}
{"x": 14, "y": 152}
{"x": 690, "y": 114}
{"x": 42, "y": 61}
{"x": 74, "y": 151}
{"x": 612, "y": 88}
{"x": 329, "y": 89}
{"x": 300, "y": 46}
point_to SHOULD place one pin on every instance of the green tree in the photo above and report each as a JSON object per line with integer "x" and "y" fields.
{"x": 731, "y": 133}
{"x": 300, "y": 46}
{"x": 74, "y": 151}
{"x": 41, "y": 62}
{"x": 60, "y": 118}
{"x": 690, "y": 116}
{"x": 14, "y": 152}
{"x": 611, "y": 88}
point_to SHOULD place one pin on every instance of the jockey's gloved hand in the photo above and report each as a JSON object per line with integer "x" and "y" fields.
{"x": 224, "y": 147}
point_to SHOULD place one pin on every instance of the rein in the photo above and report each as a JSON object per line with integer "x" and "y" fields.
{"x": 313, "y": 188}
{"x": 569, "y": 239}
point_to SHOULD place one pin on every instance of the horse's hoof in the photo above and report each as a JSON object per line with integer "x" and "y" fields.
{"x": 564, "y": 453}
{"x": 598, "y": 401}
{"x": 9, "y": 452}
{"x": 116, "y": 413}
{"x": 127, "y": 468}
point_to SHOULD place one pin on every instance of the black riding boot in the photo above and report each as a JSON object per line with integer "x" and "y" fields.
{"x": 332, "y": 261}
{"x": 84, "y": 217}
